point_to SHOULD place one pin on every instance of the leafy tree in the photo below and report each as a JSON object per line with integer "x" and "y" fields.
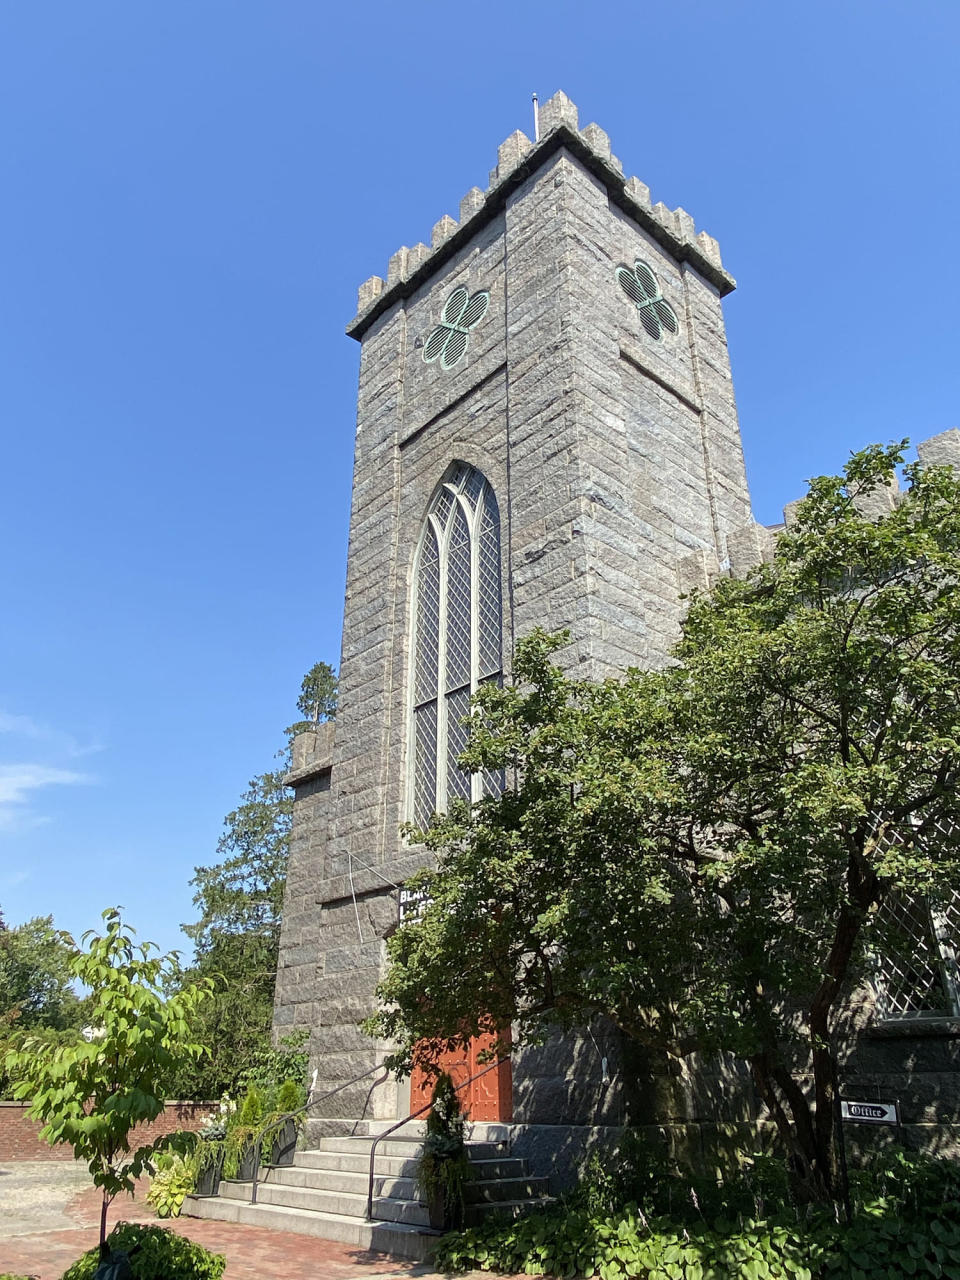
{"x": 93, "y": 1093}
{"x": 240, "y": 899}
{"x": 36, "y": 991}
{"x": 35, "y": 979}
{"x": 701, "y": 853}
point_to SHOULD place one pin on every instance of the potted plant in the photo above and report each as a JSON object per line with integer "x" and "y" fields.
{"x": 240, "y": 1149}
{"x": 282, "y": 1126}
{"x": 443, "y": 1169}
{"x": 208, "y": 1154}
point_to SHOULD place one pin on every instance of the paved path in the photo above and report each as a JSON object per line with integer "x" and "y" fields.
{"x": 34, "y": 1195}
{"x": 49, "y": 1215}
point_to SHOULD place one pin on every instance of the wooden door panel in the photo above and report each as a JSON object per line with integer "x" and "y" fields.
{"x": 488, "y": 1098}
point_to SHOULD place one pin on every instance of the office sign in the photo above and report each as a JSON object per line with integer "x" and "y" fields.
{"x": 869, "y": 1112}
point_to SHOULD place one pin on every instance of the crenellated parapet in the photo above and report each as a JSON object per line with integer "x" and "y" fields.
{"x": 517, "y": 158}
{"x": 754, "y": 544}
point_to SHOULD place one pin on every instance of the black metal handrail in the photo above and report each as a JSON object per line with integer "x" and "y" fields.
{"x": 412, "y": 1116}
{"x": 310, "y": 1102}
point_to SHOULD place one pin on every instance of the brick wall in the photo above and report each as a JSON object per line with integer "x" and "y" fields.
{"x": 19, "y": 1141}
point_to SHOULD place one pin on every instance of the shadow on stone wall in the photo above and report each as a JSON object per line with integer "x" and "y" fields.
{"x": 704, "y": 1113}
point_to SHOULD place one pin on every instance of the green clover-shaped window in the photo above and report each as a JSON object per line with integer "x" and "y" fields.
{"x": 460, "y": 314}
{"x": 643, "y": 288}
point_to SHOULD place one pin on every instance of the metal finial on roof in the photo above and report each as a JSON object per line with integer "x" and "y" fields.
{"x": 536, "y": 118}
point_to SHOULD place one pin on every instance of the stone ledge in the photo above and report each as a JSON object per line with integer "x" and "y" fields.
{"x": 297, "y": 777}
{"x": 913, "y": 1028}
{"x": 312, "y": 753}
{"x": 366, "y": 879}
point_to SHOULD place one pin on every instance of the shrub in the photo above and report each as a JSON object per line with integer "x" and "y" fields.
{"x": 175, "y": 1178}
{"x": 290, "y": 1097}
{"x": 251, "y": 1109}
{"x": 907, "y": 1223}
{"x": 565, "y": 1242}
{"x": 443, "y": 1169}
{"x": 287, "y": 1060}
{"x": 160, "y": 1255}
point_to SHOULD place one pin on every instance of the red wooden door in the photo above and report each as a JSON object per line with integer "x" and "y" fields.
{"x": 489, "y": 1098}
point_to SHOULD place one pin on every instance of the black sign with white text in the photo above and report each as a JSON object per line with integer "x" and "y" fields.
{"x": 869, "y": 1112}
{"x": 412, "y": 903}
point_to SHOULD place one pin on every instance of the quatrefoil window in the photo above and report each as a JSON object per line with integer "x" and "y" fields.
{"x": 643, "y": 288}
{"x": 461, "y": 313}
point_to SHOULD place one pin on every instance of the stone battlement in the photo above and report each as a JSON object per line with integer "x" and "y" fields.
{"x": 754, "y": 543}
{"x": 517, "y": 158}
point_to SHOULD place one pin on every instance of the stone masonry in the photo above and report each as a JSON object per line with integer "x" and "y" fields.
{"x": 613, "y": 458}
{"x": 617, "y": 465}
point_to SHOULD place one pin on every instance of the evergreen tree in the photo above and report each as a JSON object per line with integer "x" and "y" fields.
{"x": 240, "y": 900}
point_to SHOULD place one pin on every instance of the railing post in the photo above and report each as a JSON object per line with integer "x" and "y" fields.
{"x": 256, "y": 1168}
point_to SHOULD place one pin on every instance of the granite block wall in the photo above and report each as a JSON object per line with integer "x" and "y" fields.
{"x": 618, "y": 469}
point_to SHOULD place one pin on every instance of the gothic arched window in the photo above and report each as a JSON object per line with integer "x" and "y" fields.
{"x": 457, "y": 644}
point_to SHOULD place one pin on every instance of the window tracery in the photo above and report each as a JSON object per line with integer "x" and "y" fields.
{"x": 457, "y": 642}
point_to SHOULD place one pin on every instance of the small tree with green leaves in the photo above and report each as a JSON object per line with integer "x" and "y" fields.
{"x": 92, "y": 1094}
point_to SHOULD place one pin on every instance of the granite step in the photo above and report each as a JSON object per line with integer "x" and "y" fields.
{"x": 482, "y": 1199}
{"x": 399, "y": 1239}
{"x": 324, "y": 1192}
{"x": 407, "y": 1147}
{"x": 349, "y": 1166}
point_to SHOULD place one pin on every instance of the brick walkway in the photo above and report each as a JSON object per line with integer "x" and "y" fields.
{"x": 253, "y": 1253}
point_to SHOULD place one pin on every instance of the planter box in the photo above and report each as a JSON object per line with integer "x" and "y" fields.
{"x": 248, "y": 1158}
{"x": 284, "y": 1144}
{"x": 208, "y": 1182}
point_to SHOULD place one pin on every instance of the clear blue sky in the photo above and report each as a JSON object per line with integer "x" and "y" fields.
{"x": 193, "y": 191}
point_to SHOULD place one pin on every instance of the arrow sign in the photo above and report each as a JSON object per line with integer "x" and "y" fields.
{"x": 869, "y": 1112}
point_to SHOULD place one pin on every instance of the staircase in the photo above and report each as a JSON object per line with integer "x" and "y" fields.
{"x": 324, "y": 1192}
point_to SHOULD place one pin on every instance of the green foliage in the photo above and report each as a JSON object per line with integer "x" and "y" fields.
{"x": 569, "y": 1243}
{"x": 878, "y": 1246}
{"x": 243, "y": 1130}
{"x": 639, "y": 1172}
{"x": 290, "y": 1097}
{"x": 240, "y": 899}
{"x": 35, "y": 977}
{"x": 907, "y": 1223}
{"x": 443, "y": 1168}
{"x": 175, "y": 1178}
{"x": 318, "y": 698}
{"x": 695, "y": 851}
{"x": 93, "y": 1093}
{"x": 272, "y": 1065}
{"x": 160, "y": 1254}
{"x": 36, "y": 991}
{"x": 251, "y": 1108}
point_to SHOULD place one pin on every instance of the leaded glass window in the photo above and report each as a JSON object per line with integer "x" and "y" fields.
{"x": 918, "y": 975}
{"x": 457, "y": 643}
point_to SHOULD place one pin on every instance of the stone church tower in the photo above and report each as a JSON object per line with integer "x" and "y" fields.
{"x": 546, "y": 436}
